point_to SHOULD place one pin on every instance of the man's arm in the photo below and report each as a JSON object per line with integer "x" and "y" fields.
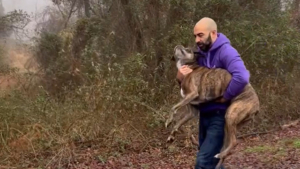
{"x": 234, "y": 64}
{"x": 183, "y": 71}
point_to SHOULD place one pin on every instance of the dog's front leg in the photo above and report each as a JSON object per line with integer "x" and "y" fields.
{"x": 188, "y": 98}
{"x": 170, "y": 119}
{"x": 187, "y": 117}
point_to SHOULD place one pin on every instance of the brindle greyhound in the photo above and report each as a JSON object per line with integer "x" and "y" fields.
{"x": 204, "y": 85}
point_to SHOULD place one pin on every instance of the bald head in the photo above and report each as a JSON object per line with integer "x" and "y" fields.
{"x": 207, "y": 24}
{"x": 205, "y": 32}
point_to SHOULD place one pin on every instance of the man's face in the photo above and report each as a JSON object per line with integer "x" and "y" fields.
{"x": 203, "y": 40}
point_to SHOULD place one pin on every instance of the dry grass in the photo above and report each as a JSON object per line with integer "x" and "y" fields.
{"x": 119, "y": 112}
{"x": 41, "y": 131}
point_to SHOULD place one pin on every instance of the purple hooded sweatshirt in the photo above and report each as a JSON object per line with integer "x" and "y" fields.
{"x": 223, "y": 55}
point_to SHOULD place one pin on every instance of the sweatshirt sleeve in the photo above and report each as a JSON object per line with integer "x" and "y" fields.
{"x": 234, "y": 64}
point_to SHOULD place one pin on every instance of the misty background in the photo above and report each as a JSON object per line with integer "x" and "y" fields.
{"x": 32, "y": 7}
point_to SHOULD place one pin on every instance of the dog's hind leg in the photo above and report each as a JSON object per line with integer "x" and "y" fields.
{"x": 226, "y": 139}
{"x": 232, "y": 119}
{"x": 225, "y": 145}
{"x": 218, "y": 166}
{"x": 238, "y": 114}
{"x": 232, "y": 130}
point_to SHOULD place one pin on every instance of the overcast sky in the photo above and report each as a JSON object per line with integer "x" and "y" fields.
{"x": 27, "y": 5}
{"x": 30, "y": 6}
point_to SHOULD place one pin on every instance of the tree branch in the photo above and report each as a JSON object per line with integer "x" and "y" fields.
{"x": 70, "y": 13}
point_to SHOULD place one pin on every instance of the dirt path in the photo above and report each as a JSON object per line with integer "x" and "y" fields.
{"x": 280, "y": 150}
{"x": 20, "y": 61}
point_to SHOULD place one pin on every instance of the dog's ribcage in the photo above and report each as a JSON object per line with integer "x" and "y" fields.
{"x": 210, "y": 83}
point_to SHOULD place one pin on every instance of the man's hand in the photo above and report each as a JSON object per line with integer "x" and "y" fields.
{"x": 222, "y": 100}
{"x": 184, "y": 70}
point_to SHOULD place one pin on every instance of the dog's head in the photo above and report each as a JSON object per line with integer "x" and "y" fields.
{"x": 184, "y": 56}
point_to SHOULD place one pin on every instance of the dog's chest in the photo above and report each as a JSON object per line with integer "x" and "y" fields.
{"x": 181, "y": 93}
{"x": 179, "y": 65}
{"x": 194, "y": 102}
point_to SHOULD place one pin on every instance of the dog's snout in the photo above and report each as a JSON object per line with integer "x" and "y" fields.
{"x": 178, "y": 47}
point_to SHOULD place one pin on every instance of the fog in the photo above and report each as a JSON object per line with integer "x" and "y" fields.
{"x": 32, "y": 7}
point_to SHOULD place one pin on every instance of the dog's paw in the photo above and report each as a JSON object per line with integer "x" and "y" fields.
{"x": 220, "y": 155}
{"x": 175, "y": 108}
{"x": 167, "y": 123}
{"x": 170, "y": 139}
{"x": 217, "y": 156}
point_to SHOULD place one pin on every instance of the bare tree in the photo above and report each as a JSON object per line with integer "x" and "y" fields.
{"x": 1, "y": 9}
{"x": 81, "y": 5}
{"x": 13, "y": 22}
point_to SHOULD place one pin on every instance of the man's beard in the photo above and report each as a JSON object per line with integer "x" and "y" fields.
{"x": 205, "y": 46}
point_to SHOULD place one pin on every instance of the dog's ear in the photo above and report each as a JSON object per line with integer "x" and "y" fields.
{"x": 196, "y": 52}
{"x": 194, "y": 49}
{"x": 173, "y": 58}
{"x": 198, "y": 55}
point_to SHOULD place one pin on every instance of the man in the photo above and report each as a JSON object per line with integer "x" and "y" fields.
{"x": 218, "y": 53}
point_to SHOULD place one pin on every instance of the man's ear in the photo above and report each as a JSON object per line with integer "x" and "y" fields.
{"x": 214, "y": 33}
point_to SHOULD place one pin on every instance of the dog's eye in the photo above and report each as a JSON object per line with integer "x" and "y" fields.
{"x": 188, "y": 50}
{"x": 182, "y": 52}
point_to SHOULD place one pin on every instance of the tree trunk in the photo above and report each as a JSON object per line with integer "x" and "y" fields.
{"x": 295, "y": 13}
{"x": 133, "y": 26}
{"x": 87, "y": 8}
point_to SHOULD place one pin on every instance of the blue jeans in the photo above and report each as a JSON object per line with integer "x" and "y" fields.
{"x": 211, "y": 135}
